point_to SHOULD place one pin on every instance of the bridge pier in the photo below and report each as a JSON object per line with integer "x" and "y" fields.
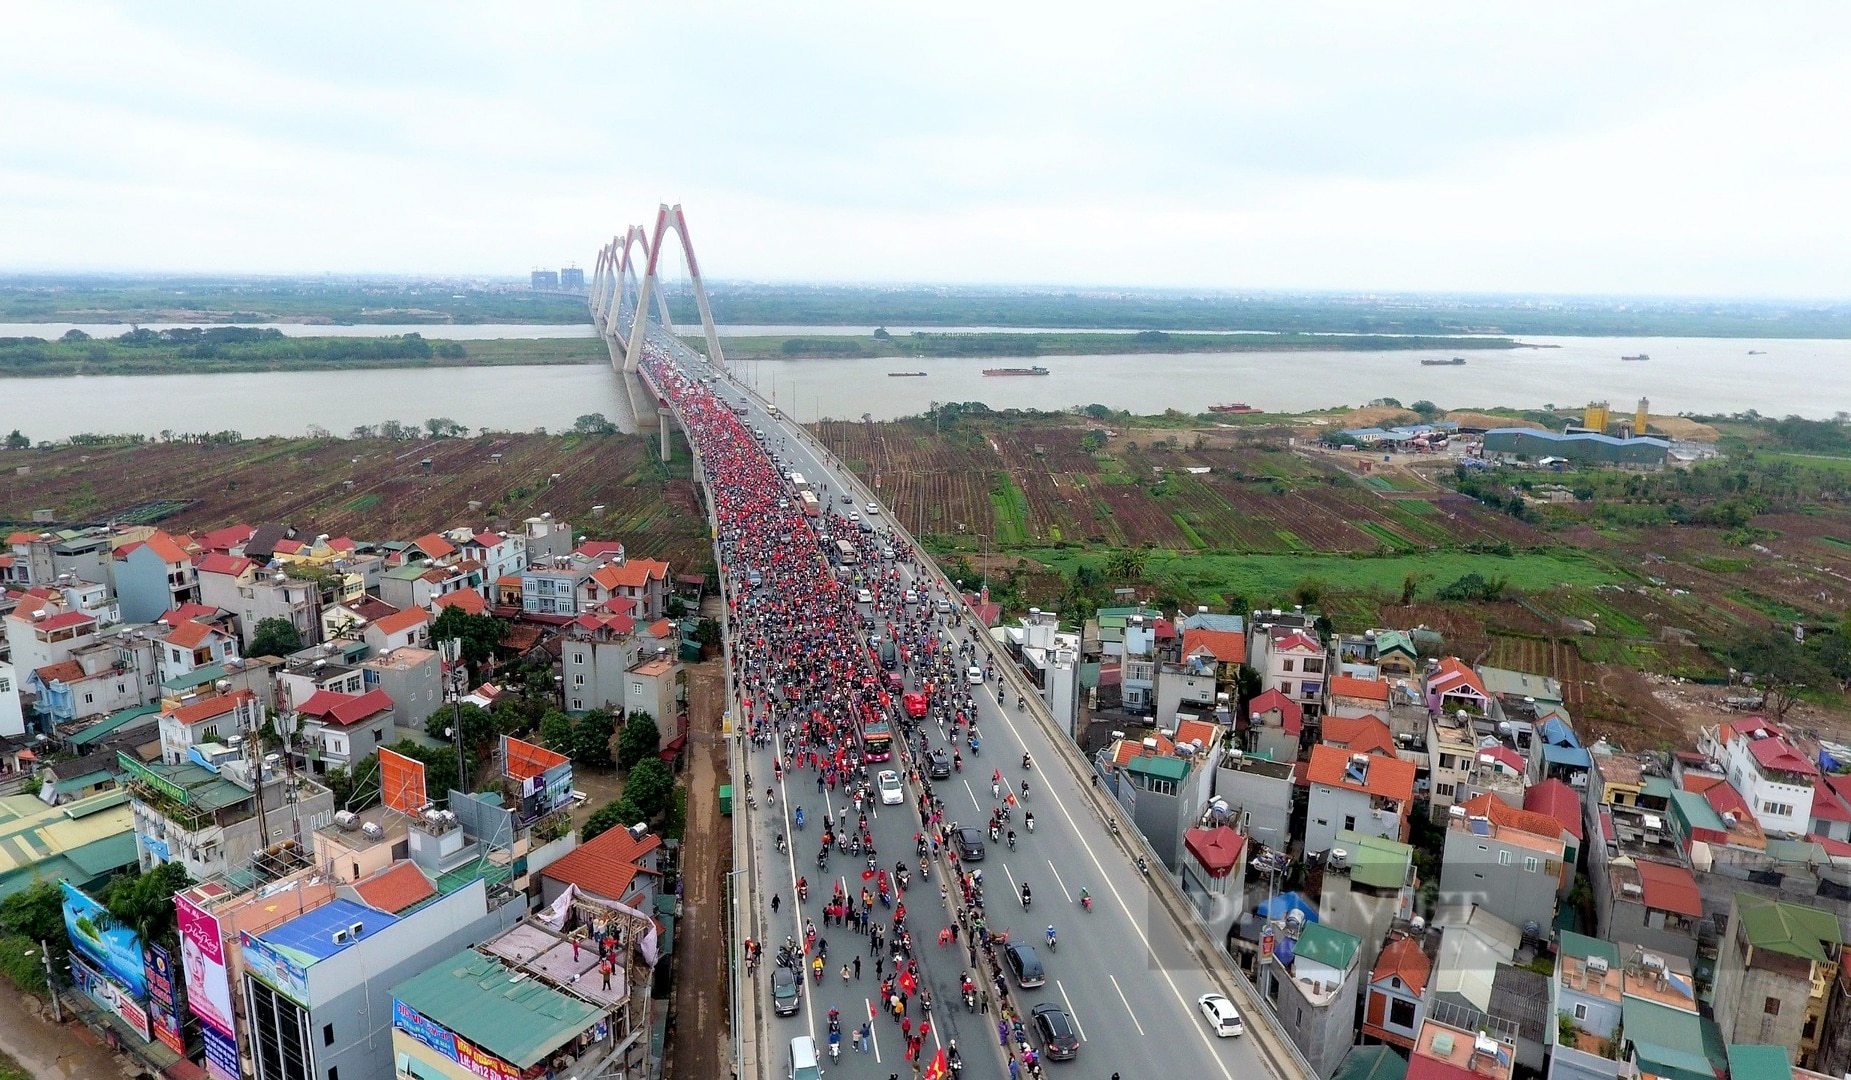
{"x": 665, "y": 423}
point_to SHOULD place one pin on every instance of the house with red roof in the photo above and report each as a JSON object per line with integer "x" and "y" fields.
{"x": 1444, "y": 1052}
{"x": 229, "y": 540}
{"x": 642, "y": 581}
{"x": 1351, "y": 696}
{"x": 468, "y": 601}
{"x": 349, "y": 618}
{"x": 188, "y": 645}
{"x": 1293, "y": 661}
{"x": 1453, "y": 685}
{"x": 1395, "y": 999}
{"x": 395, "y": 631}
{"x": 1651, "y": 904}
{"x": 501, "y": 554}
{"x": 153, "y": 576}
{"x": 342, "y": 729}
{"x": 1275, "y": 726}
{"x": 1774, "y": 777}
{"x": 396, "y": 889}
{"x": 1364, "y": 793}
{"x": 1214, "y": 874}
{"x": 1358, "y": 735}
{"x": 1505, "y": 860}
{"x": 615, "y": 866}
{"x": 254, "y": 594}
{"x": 430, "y": 547}
{"x": 214, "y": 718}
{"x": 1562, "y": 804}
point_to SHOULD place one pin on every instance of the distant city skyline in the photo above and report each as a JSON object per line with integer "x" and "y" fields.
{"x": 1580, "y": 150}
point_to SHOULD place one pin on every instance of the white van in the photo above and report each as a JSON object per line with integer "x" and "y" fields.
{"x": 803, "y": 1059}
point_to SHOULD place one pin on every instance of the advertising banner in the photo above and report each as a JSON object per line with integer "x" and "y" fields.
{"x": 105, "y": 943}
{"x": 106, "y": 992}
{"x": 202, "y": 956}
{"x": 221, "y": 1053}
{"x": 269, "y": 963}
{"x": 476, "y": 1060}
{"x": 163, "y": 1010}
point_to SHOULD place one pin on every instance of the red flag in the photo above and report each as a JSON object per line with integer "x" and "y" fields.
{"x": 908, "y": 983}
{"x": 938, "y": 1070}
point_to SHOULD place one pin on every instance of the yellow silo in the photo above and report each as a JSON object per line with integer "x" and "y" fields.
{"x": 1639, "y": 419}
{"x": 1594, "y": 418}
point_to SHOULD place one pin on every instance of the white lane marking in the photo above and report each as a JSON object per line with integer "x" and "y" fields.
{"x": 1128, "y": 1009}
{"x": 1058, "y": 880}
{"x": 1074, "y": 1015}
{"x": 874, "y": 1039}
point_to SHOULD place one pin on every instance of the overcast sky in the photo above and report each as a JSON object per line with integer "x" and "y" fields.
{"x": 1673, "y": 148}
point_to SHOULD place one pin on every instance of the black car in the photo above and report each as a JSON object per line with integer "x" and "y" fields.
{"x": 784, "y": 998}
{"x": 938, "y": 764}
{"x": 1058, "y": 1040}
{"x": 1025, "y": 965}
{"x": 970, "y": 845}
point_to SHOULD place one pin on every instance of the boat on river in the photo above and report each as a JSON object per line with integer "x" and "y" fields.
{"x": 1036, "y": 370}
{"x": 1457, "y": 361}
{"x": 906, "y": 374}
{"x": 1641, "y": 356}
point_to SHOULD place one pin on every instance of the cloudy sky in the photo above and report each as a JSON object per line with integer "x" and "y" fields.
{"x": 1666, "y": 148}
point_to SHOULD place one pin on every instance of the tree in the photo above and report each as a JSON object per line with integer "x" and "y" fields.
{"x": 354, "y": 789}
{"x": 440, "y": 773}
{"x": 1427, "y": 410}
{"x": 707, "y": 634}
{"x": 1781, "y": 666}
{"x": 650, "y": 786}
{"x": 275, "y": 637}
{"x": 595, "y": 423}
{"x": 556, "y": 731}
{"x": 479, "y": 634}
{"x": 17, "y": 441}
{"x": 591, "y": 738}
{"x": 36, "y": 912}
{"x": 619, "y": 813}
{"x": 640, "y": 739}
{"x": 881, "y": 334}
{"x": 145, "y": 902}
{"x": 1247, "y": 686}
{"x": 480, "y": 728}
{"x": 1127, "y": 564}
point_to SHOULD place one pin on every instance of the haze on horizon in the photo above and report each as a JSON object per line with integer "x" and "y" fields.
{"x": 1633, "y": 149}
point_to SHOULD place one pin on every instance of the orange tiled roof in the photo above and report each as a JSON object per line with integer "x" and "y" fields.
{"x": 1361, "y": 735}
{"x": 189, "y": 634}
{"x": 1404, "y": 959}
{"x": 1389, "y": 778}
{"x": 1452, "y": 674}
{"x": 1129, "y": 750}
{"x": 434, "y": 546}
{"x": 1226, "y": 646}
{"x": 1506, "y": 816}
{"x": 64, "y": 671}
{"x": 1368, "y": 689}
{"x": 605, "y": 865}
{"x": 403, "y": 620}
{"x": 468, "y": 600}
{"x": 217, "y": 705}
{"x": 395, "y": 888}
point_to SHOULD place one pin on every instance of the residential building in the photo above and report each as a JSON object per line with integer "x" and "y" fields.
{"x": 1775, "y": 974}
{"x": 1452, "y": 748}
{"x": 1275, "y": 726}
{"x": 1616, "y": 779}
{"x": 203, "y": 812}
{"x": 653, "y": 685}
{"x": 1395, "y": 654}
{"x": 1258, "y": 793}
{"x": 1520, "y": 997}
{"x": 468, "y": 601}
{"x": 1358, "y": 735}
{"x": 1311, "y": 983}
{"x": 1512, "y": 870}
{"x": 96, "y": 674}
{"x": 1452, "y": 686}
{"x": 340, "y": 730}
{"x": 153, "y": 576}
{"x": 596, "y": 655}
{"x": 1561, "y": 804}
{"x": 345, "y": 620}
{"x": 41, "y": 558}
{"x": 1372, "y": 1063}
{"x": 1559, "y": 754}
{"x": 1654, "y": 905}
{"x": 551, "y": 586}
{"x": 1444, "y": 1052}
{"x": 12, "y": 713}
{"x": 240, "y": 586}
{"x": 334, "y": 667}
{"x": 75, "y": 779}
{"x": 547, "y": 538}
{"x": 1473, "y": 943}
{"x": 1161, "y": 787}
{"x": 1395, "y": 999}
{"x": 413, "y": 586}
{"x": 1362, "y": 793}
{"x": 1368, "y": 888}
{"x": 1354, "y": 697}
{"x": 1775, "y": 778}
{"x": 1290, "y": 659}
{"x": 1585, "y": 997}
{"x": 1185, "y": 689}
{"x": 412, "y": 678}
{"x": 186, "y": 646}
{"x": 411, "y": 627}
{"x": 318, "y": 988}
{"x": 1213, "y": 875}
{"x": 617, "y": 866}
{"x": 643, "y": 582}
{"x": 1661, "y": 1033}
{"x": 1222, "y": 650}
{"x": 500, "y": 554}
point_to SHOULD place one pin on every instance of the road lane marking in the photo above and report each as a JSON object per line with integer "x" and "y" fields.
{"x": 1059, "y": 881}
{"x": 1121, "y": 996}
{"x": 1074, "y": 1014}
{"x": 874, "y": 1041}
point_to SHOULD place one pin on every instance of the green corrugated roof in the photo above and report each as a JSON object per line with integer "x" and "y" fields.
{"x": 409, "y": 572}
{"x": 1669, "y": 1041}
{"x": 1376, "y": 861}
{"x": 196, "y": 677}
{"x": 104, "y": 856}
{"x": 1657, "y": 786}
{"x": 1322, "y": 945}
{"x": 1697, "y": 810}
{"x": 78, "y": 783}
{"x": 1785, "y": 928}
{"x": 1372, "y": 1063}
{"x": 113, "y": 723}
{"x": 474, "y": 996}
{"x": 1387, "y": 639}
{"x": 1159, "y": 765}
{"x": 1580, "y": 946}
{"x": 1749, "y": 1062}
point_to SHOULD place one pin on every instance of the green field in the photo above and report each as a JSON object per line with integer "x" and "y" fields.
{"x": 1262, "y": 578}
{"x": 922, "y": 344}
{"x": 228, "y": 349}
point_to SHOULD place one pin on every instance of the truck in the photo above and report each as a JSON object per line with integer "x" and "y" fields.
{"x": 811, "y": 507}
{"x": 798, "y": 482}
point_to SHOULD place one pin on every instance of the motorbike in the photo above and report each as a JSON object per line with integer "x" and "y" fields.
{"x": 1143, "y": 867}
{"x": 1011, "y": 839}
{"x": 1028, "y": 819}
{"x": 1086, "y": 900}
{"x": 1053, "y": 940}
{"x": 970, "y": 1000}
{"x": 1025, "y": 897}
{"x": 1025, "y": 762}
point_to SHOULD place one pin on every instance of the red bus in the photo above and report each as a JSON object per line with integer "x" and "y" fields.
{"x": 876, "y": 740}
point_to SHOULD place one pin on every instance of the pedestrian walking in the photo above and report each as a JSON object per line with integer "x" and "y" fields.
{"x": 775, "y": 901}
{"x": 858, "y": 968}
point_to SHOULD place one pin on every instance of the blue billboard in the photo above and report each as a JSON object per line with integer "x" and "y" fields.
{"x": 110, "y": 947}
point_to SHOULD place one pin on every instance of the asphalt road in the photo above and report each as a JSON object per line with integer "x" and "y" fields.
{"x": 1122, "y": 971}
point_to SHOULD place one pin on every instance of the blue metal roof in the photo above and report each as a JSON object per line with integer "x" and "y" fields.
{"x": 1557, "y": 733}
{"x": 1570, "y": 756}
{"x": 312, "y": 933}
{"x": 1579, "y": 436}
{"x": 1277, "y": 907}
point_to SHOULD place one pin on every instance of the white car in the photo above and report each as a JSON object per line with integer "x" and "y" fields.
{"x": 975, "y": 675}
{"x": 912, "y": 597}
{"x": 1223, "y": 1018}
{"x": 873, "y": 509}
{"x": 892, "y": 793}
{"x": 864, "y": 597}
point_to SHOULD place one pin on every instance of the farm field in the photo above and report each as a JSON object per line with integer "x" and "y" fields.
{"x": 371, "y": 488}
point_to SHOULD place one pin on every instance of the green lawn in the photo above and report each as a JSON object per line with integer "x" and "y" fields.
{"x": 1261, "y": 578}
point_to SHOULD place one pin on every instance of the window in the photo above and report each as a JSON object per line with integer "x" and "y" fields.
{"x": 1349, "y": 821}
{"x": 578, "y": 658}
{"x": 578, "y": 680}
{"x": 334, "y": 1072}
{"x": 1313, "y": 667}
{"x": 1285, "y": 665}
{"x": 1771, "y": 1006}
{"x": 1503, "y": 858}
{"x": 1401, "y": 1014}
{"x": 327, "y": 1034}
{"x": 1529, "y": 864}
{"x": 1448, "y": 761}
{"x": 578, "y": 704}
{"x": 1443, "y": 790}
{"x": 1580, "y": 1010}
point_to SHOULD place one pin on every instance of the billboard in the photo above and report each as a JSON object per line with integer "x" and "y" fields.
{"x": 163, "y": 1007}
{"x": 208, "y": 987}
{"x": 543, "y": 776}
{"x": 524, "y": 759}
{"x": 401, "y": 782}
{"x": 285, "y": 974}
{"x": 460, "y": 1050}
{"x": 105, "y": 991}
{"x": 110, "y": 947}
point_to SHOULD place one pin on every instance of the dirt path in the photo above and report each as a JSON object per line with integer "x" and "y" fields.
{"x": 700, "y": 1038}
{"x": 48, "y": 1051}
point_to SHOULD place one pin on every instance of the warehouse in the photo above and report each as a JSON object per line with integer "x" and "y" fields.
{"x": 1529, "y": 444}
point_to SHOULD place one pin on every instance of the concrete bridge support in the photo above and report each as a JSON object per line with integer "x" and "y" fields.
{"x": 665, "y": 423}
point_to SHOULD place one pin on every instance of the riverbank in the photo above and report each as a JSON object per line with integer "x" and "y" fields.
{"x": 229, "y": 350}
{"x": 1014, "y": 344}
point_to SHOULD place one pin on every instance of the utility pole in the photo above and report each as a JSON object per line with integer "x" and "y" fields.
{"x": 57, "y": 1009}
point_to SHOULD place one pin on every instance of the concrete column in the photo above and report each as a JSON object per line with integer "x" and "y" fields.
{"x": 665, "y": 421}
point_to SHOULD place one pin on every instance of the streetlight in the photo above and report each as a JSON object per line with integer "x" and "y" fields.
{"x": 44, "y": 953}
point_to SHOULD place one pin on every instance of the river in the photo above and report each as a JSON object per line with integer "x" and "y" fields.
{"x": 1704, "y": 375}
